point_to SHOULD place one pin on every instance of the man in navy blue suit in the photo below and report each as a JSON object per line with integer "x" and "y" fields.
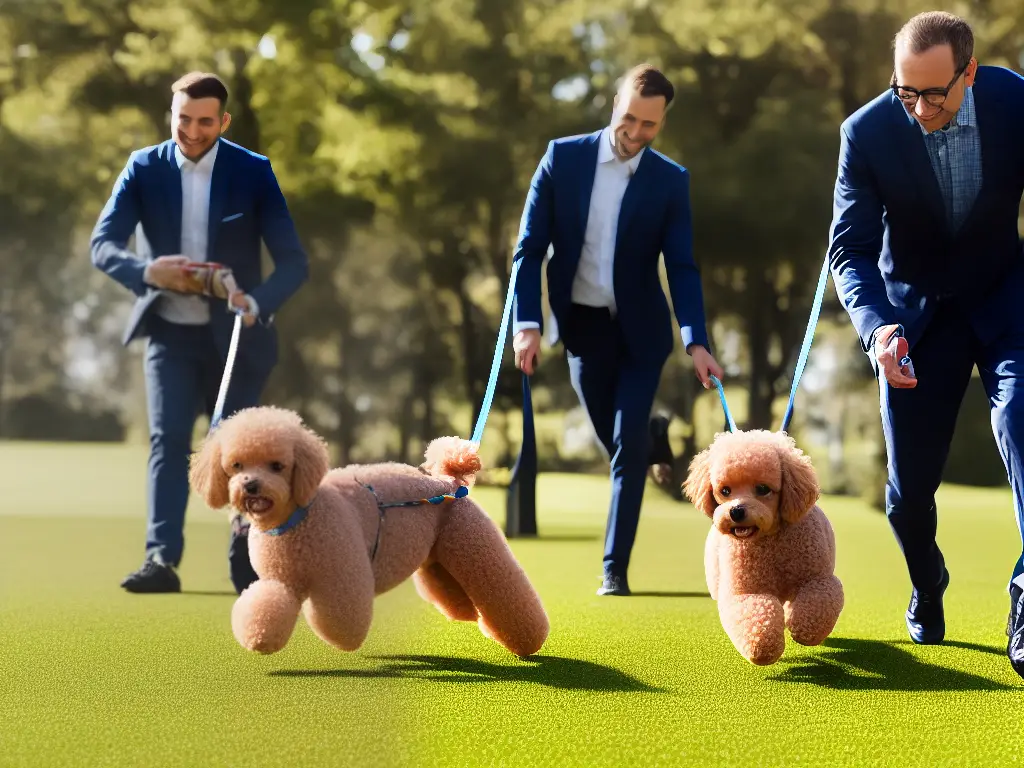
{"x": 195, "y": 198}
{"x": 927, "y": 260}
{"x": 610, "y": 206}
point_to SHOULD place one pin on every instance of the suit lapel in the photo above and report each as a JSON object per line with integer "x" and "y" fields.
{"x": 173, "y": 191}
{"x": 588, "y": 172}
{"x": 911, "y": 148}
{"x": 989, "y": 129}
{"x": 633, "y": 195}
{"x": 218, "y": 194}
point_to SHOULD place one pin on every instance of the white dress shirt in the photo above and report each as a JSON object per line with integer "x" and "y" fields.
{"x": 593, "y": 284}
{"x": 195, "y": 221}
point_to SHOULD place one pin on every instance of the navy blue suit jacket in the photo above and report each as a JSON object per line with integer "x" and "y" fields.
{"x": 246, "y": 206}
{"x": 893, "y": 254}
{"x": 654, "y": 219}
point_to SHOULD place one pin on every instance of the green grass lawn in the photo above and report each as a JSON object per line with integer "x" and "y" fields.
{"x": 92, "y": 676}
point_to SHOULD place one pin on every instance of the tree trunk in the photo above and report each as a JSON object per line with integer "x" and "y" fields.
{"x": 759, "y": 401}
{"x": 6, "y": 328}
{"x": 245, "y": 128}
{"x": 472, "y": 372}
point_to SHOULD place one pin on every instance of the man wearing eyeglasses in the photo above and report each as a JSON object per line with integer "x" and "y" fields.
{"x": 927, "y": 260}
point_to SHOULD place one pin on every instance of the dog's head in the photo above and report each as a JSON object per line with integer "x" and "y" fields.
{"x": 750, "y": 483}
{"x": 263, "y": 462}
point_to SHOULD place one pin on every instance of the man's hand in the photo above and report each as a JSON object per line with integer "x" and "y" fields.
{"x": 892, "y": 353}
{"x": 240, "y": 300}
{"x": 526, "y": 345}
{"x": 704, "y": 364}
{"x": 168, "y": 273}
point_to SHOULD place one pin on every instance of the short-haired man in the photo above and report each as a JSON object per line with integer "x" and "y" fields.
{"x": 610, "y": 206}
{"x": 195, "y": 198}
{"x": 927, "y": 259}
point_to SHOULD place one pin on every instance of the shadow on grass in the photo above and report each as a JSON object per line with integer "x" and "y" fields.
{"x": 209, "y": 592}
{"x": 671, "y": 594}
{"x": 567, "y": 537}
{"x": 850, "y": 664}
{"x": 550, "y": 671}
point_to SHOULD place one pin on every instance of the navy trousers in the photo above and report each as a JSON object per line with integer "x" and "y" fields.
{"x": 183, "y": 372}
{"x": 617, "y": 391}
{"x": 918, "y": 424}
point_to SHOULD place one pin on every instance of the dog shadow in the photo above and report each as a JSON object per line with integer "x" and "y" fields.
{"x": 550, "y": 671}
{"x": 853, "y": 664}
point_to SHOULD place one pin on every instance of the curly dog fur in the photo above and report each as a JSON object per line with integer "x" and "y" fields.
{"x": 266, "y": 463}
{"x": 770, "y": 555}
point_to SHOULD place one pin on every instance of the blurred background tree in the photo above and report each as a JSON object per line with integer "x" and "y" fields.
{"x": 404, "y": 135}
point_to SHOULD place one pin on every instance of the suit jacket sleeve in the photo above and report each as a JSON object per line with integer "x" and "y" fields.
{"x": 856, "y": 242}
{"x": 116, "y": 223}
{"x": 683, "y": 275}
{"x": 532, "y": 246}
{"x": 291, "y": 265}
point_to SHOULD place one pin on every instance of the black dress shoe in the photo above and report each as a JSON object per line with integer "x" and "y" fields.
{"x": 1015, "y": 643}
{"x": 152, "y": 578}
{"x": 926, "y": 620}
{"x": 614, "y": 584}
{"x": 242, "y": 573}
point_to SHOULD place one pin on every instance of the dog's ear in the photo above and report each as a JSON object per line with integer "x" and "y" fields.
{"x": 697, "y": 487}
{"x": 799, "y": 484}
{"x": 312, "y": 461}
{"x": 206, "y": 474}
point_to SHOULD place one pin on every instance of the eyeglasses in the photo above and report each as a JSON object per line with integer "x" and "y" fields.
{"x": 933, "y": 97}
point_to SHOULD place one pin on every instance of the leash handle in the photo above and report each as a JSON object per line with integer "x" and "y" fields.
{"x": 805, "y": 348}
{"x": 485, "y": 408}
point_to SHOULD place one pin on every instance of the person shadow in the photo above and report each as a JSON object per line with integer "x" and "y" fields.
{"x": 855, "y": 664}
{"x": 550, "y": 671}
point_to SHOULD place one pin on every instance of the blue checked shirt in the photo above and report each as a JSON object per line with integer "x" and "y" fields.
{"x": 955, "y": 152}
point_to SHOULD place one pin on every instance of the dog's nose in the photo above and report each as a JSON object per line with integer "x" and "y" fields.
{"x": 737, "y": 513}
{"x": 252, "y": 486}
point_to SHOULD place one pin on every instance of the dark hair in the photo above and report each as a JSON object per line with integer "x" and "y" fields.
{"x": 649, "y": 82}
{"x": 927, "y": 30}
{"x": 202, "y": 85}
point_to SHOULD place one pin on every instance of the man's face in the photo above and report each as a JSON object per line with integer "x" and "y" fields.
{"x": 196, "y": 124}
{"x": 636, "y": 120}
{"x": 933, "y": 69}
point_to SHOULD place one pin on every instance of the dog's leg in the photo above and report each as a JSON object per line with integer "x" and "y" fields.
{"x": 263, "y": 617}
{"x": 474, "y": 551}
{"x": 813, "y": 612}
{"x": 711, "y": 566}
{"x": 756, "y": 626}
{"x": 435, "y": 585}
{"x": 340, "y": 610}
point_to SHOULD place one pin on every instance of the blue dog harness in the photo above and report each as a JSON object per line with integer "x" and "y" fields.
{"x": 300, "y": 513}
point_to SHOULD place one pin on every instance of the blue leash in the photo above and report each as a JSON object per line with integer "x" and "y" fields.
{"x": 801, "y": 363}
{"x": 805, "y": 348}
{"x": 499, "y": 347}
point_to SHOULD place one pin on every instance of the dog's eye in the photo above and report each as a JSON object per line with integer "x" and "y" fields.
{"x": 726, "y": 490}
{"x": 276, "y": 466}
{"x": 237, "y": 465}
{"x": 763, "y": 490}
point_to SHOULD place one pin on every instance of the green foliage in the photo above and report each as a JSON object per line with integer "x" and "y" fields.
{"x": 404, "y": 135}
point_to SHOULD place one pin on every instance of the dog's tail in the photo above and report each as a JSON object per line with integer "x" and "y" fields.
{"x": 452, "y": 457}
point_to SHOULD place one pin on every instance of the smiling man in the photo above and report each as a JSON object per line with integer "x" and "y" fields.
{"x": 195, "y": 198}
{"x": 612, "y": 206}
{"x": 927, "y": 260}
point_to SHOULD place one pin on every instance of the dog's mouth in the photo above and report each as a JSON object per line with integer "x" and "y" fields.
{"x": 743, "y": 531}
{"x": 257, "y": 505}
